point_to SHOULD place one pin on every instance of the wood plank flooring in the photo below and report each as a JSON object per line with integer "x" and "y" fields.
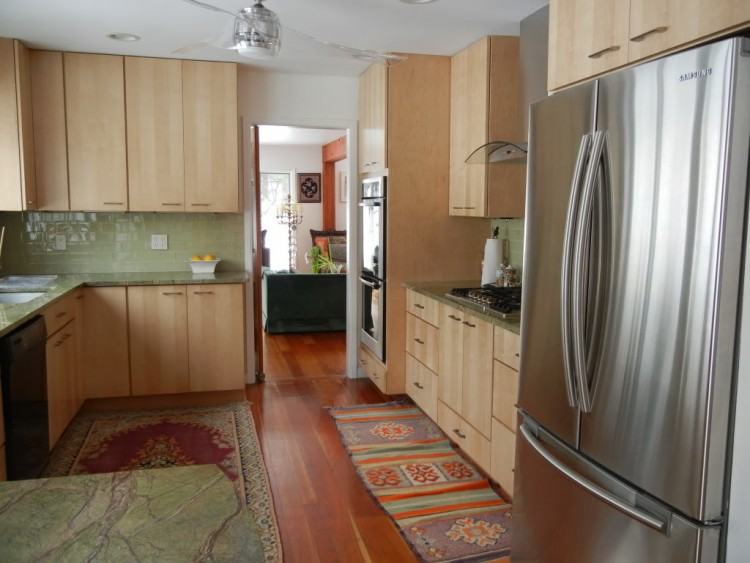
{"x": 325, "y": 513}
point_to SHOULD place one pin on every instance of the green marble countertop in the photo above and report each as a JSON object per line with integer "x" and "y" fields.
{"x": 14, "y": 315}
{"x": 437, "y": 290}
{"x": 178, "y": 514}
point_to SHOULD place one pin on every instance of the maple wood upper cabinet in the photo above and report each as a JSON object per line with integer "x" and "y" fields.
{"x": 95, "y": 110}
{"x": 590, "y": 37}
{"x": 50, "y": 144}
{"x": 486, "y": 106}
{"x": 17, "y": 173}
{"x": 373, "y": 106}
{"x": 153, "y": 100}
{"x": 209, "y": 106}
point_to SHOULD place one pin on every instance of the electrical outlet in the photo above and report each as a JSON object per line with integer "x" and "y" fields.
{"x": 159, "y": 242}
{"x": 60, "y": 242}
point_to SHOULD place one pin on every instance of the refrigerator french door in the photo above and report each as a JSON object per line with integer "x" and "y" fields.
{"x": 633, "y": 253}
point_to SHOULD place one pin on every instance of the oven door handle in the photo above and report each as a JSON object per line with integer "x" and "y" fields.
{"x": 371, "y": 203}
{"x": 371, "y": 283}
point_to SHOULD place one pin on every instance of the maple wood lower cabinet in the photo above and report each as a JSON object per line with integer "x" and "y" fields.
{"x": 105, "y": 360}
{"x": 216, "y": 334}
{"x": 158, "y": 339}
{"x": 62, "y": 377}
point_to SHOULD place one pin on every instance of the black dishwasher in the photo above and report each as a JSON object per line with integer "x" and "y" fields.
{"x": 24, "y": 380}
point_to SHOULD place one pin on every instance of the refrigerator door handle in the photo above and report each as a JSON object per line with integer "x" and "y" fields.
{"x": 580, "y": 271}
{"x": 605, "y": 496}
{"x": 567, "y": 268}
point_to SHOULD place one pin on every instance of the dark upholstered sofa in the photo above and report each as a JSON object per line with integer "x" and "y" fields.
{"x": 303, "y": 302}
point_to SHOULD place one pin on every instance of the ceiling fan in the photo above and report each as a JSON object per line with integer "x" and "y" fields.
{"x": 256, "y": 32}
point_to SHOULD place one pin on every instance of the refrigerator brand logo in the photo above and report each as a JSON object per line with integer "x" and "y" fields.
{"x": 701, "y": 73}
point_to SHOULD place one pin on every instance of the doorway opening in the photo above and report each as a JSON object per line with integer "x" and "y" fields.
{"x": 302, "y": 212}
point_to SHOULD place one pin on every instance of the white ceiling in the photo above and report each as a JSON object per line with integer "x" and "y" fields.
{"x": 440, "y": 28}
{"x": 282, "y": 135}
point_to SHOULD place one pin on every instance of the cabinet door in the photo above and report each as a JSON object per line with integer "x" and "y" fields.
{"x": 373, "y": 111}
{"x": 106, "y": 367}
{"x": 660, "y": 25}
{"x": 153, "y": 100}
{"x": 503, "y": 460}
{"x": 587, "y": 37}
{"x": 469, "y": 106}
{"x": 216, "y": 334}
{"x": 17, "y": 175}
{"x": 209, "y": 98}
{"x": 505, "y": 395}
{"x": 476, "y": 396}
{"x": 60, "y": 381}
{"x": 95, "y": 116}
{"x": 451, "y": 352}
{"x": 50, "y": 144}
{"x": 157, "y": 318}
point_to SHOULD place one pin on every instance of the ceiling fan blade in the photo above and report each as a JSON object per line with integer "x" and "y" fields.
{"x": 354, "y": 52}
{"x": 224, "y": 40}
{"x": 211, "y": 7}
{"x": 191, "y": 48}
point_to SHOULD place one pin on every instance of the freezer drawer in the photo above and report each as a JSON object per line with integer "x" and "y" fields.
{"x": 556, "y": 519}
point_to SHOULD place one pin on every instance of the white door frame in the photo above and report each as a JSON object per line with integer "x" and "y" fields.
{"x": 352, "y": 235}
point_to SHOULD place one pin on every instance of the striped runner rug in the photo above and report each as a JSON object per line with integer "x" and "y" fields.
{"x": 443, "y": 506}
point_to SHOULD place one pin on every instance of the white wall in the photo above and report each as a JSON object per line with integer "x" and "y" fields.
{"x": 341, "y": 207}
{"x": 272, "y": 98}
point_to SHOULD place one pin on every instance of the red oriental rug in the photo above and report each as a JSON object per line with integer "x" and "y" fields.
{"x": 441, "y": 503}
{"x": 105, "y": 442}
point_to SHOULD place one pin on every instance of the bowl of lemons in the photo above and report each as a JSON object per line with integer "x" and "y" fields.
{"x": 205, "y": 264}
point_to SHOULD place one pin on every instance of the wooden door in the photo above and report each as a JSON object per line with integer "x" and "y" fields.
{"x": 373, "y": 115}
{"x": 95, "y": 117}
{"x": 469, "y": 107}
{"x": 209, "y": 98}
{"x": 157, "y": 318}
{"x": 153, "y": 100}
{"x": 451, "y": 352}
{"x": 476, "y": 396}
{"x": 216, "y": 335}
{"x": 50, "y": 143}
{"x": 660, "y": 25}
{"x": 60, "y": 380}
{"x": 587, "y": 37}
{"x": 106, "y": 367}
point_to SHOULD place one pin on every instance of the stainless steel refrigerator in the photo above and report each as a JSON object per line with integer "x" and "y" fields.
{"x": 631, "y": 360}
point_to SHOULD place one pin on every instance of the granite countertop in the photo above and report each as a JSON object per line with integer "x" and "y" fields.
{"x": 14, "y": 315}
{"x": 437, "y": 290}
{"x": 178, "y": 514}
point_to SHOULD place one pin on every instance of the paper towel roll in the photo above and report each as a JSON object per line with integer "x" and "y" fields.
{"x": 493, "y": 258}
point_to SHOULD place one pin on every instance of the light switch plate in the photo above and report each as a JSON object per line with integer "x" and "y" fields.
{"x": 159, "y": 242}
{"x": 60, "y": 242}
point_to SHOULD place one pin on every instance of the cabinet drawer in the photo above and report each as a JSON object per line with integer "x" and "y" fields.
{"x": 503, "y": 456}
{"x": 422, "y": 341}
{"x": 424, "y": 307}
{"x": 507, "y": 347}
{"x": 373, "y": 368}
{"x": 504, "y": 395}
{"x": 422, "y": 386}
{"x": 59, "y": 314}
{"x": 476, "y": 446}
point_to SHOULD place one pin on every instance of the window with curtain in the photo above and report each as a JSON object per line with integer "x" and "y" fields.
{"x": 274, "y": 189}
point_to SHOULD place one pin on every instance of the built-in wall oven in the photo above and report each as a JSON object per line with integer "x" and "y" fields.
{"x": 373, "y": 275}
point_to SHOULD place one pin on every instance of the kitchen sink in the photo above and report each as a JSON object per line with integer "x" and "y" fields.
{"x": 26, "y": 282}
{"x": 21, "y": 297}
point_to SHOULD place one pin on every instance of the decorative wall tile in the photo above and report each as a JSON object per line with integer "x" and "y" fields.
{"x": 512, "y": 229}
{"x": 118, "y": 242}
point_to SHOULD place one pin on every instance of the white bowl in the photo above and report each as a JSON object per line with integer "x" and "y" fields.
{"x": 204, "y": 266}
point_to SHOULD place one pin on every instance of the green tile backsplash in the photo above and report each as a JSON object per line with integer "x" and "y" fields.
{"x": 117, "y": 242}
{"x": 512, "y": 229}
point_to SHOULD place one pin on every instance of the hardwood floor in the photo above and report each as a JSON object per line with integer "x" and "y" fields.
{"x": 325, "y": 513}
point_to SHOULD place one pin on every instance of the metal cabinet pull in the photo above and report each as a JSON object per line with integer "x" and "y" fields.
{"x": 470, "y": 325}
{"x": 171, "y": 204}
{"x": 418, "y": 306}
{"x": 79, "y": 297}
{"x": 599, "y": 492}
{"x": 65, "y": 337}
{"x": 418, "y": 341}
{"x": 172, "y": 293}
{"x": 517, "y": 355}
{"x": 458, "y": 433}
{"x": 61, "y": 315}
{"x": 201, "y": 204}
{"x": 113, "y": 203}
{"x": 418, "y": 385}
{"x": 604, "y": 51}
{"x": 652, "y": 31}
{"x": 59, "y": 343}
{"x": 203, "y": 293}
{"x": 454, "y": 317}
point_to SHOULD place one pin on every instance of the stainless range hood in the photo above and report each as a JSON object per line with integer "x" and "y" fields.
{"x": 534, "y": 42}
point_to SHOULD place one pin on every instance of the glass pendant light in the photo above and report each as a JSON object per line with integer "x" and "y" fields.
{"x": 257, "y": 31}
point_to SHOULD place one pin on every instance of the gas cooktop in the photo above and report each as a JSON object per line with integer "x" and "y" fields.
{"x": 504, "y": 302}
